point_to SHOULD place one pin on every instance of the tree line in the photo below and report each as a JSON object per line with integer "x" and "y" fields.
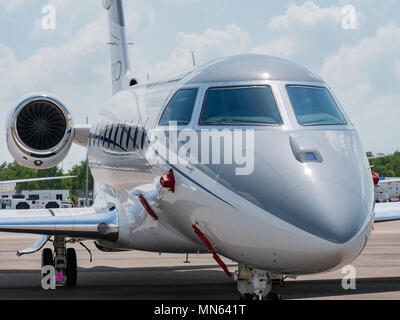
{"x": 77, "y": 186}
{"x": 388, "y": 166}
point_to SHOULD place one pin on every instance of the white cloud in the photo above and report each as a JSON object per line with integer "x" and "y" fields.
{"x": 373, "y": 6}
{"x": 398, "y": 68}
{"x": 209, "y": 45}
{"x": 372, "y": 58}
{"x": 309, "y": 15}
{"x": 51, "y": 64}
{"x": 11, "y": 5}
{"x": 180, "y": 2}
{"x": 366, "y": 78}
{"x": 283, "y": 47}
{"x": 75, "y": 51}
{"x": 6, "y": 58}
{"x": 68, "y": 19}
{"x": 307, "y": 33}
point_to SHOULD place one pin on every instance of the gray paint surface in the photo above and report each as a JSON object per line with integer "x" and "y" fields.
{"x": 247, "y": 67}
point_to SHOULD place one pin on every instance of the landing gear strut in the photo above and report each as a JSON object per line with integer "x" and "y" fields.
{"x": 255, "y": 284}
{"x": 63, "y": 260}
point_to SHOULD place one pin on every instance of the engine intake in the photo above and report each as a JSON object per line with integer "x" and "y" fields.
{"x": 40, "y": 132}
{"x": 41, "y": 125}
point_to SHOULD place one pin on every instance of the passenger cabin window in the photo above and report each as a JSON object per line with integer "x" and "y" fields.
{"x": 180, "y": 108}
{"x": 123, "y": 138}
{"x": 116, "y": 138}
{"x": 314, "y": 106}
{"x": 240, "y": 106}
{"x": 132, "y": 138}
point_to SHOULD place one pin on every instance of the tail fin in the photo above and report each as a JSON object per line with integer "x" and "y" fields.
{"x": 120, "y": 68}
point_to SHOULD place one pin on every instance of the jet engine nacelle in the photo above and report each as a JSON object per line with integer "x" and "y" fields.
{"x": 39, "y": 131}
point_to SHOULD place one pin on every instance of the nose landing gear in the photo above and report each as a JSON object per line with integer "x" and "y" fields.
{"x": 255, "y": 284}
{"x": 63, "y": 260}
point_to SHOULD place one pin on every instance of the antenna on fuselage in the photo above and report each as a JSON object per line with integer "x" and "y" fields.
{"x": 193, "y": 59}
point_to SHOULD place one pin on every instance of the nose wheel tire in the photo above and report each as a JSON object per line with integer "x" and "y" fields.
{"x": 247, "y": 297}
{"x": 274, "y": 296}
{"x": 72, "y": 268}
{"x": 47, "y": 257}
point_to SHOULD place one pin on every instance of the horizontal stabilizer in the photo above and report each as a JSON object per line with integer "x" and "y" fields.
{"x": 87, "y": 223}
{"x": 388, "y": 211}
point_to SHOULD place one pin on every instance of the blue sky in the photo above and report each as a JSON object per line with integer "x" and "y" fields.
{"x": 362, "y": 65}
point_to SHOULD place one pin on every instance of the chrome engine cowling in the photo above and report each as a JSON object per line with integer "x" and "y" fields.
{"x": 39, "y": 131}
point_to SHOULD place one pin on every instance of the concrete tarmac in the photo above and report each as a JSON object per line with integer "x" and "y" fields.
{"x": 140, "y": 275}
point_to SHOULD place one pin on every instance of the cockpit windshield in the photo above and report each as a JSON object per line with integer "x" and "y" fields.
{"x": 314, "y": 106}
{"x": 240, "y": 106}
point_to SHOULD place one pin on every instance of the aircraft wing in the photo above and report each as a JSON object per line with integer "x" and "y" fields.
{"x": 86, "y": 223}
{"x": 387, "y": 211}
{"x": 391, "y": 180}
{"x": 35, "y": 179}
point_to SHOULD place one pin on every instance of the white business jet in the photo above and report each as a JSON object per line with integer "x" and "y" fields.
{"x": 249, "y": 157}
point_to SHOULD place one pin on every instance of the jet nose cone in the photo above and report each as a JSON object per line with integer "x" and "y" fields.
{"x": 326, "y": 209}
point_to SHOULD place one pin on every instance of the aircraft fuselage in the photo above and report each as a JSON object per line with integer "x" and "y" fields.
{"x": 304, "y": 206}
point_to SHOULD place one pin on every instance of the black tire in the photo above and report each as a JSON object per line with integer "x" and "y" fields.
{"x": 22, "y": 206}
{"x": 72, "y": 268}
{"x": 247, "y": 297}
{"x": 52, "y": 205}
{"x": 47, "y": 257}
{"x": 274, "y": 296}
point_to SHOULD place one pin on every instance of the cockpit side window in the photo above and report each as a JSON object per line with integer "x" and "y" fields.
{"x": 240, "y": 106}
{"x": 180, "y": 108}
{"x": 314, "y": 106}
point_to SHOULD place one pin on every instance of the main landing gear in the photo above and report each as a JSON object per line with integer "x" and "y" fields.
{"x": 255, "y": 284}
{"x": 63, "y": 260}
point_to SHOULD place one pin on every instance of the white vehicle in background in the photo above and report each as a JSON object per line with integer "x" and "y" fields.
{"x": 27, "y": 204}
{"x": 382, "y": 197}
{"x": 388, "y": 190}
{"x": 24, "y": 204}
